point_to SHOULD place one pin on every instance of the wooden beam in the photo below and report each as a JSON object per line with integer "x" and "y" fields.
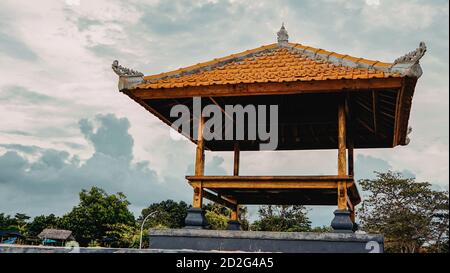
{"x": 329, "y": 86}
{"x": 351, "y": 208}
{"x": 236, "y": 159}
{"x": 200, "y": 152}
{"x": 404, "y": 102}
{"x": 341, "y": 139}
{"x": 199, "y": 163}
{"x": 234, "y": 216}
{"x": 266, "y": 184}
{"x": 198, "y": 196}
{"x": 342, "y": 195}
{"x": 349, "y": 203}
{"x": 369, "y": 128}
{"x": 154, "y": 112}
{"x": 334, "y": 178}
{"x": 342, "y": 166}
{"x": 219, "y": 200}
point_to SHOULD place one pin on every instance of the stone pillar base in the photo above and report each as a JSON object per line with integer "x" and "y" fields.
{"x": 195, "y": 219}
{"x": 342, "y": 221}
{"x": 355, "y": 227}
{"x": 234, "y": 225}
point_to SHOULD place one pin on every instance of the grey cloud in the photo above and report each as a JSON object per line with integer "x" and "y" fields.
{"x": 16, "y": 132}
{"x": 72, "y": 145}
{"x": 23, "y": 95}
{"x": 51, "y": 159}
{"x": 171, "y": 18}
{"x": 85, "y": 23}
{"x": 213, "y": 167}
{"x": 12, "y": 165}
{"x": 57, "y": 177}
{"x": 106, "y": 51}
{"x": 29, "y": 149}
{"x": 11, "y": 45}
{"x": 366, "y": 166}
{"x": 111, "y": 138}
{"x": 15, "y": 48}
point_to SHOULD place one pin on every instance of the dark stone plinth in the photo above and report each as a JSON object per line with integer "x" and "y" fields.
{"x": 234, "y": 225}
{"x": 260, "y": 241}
{"x": 342, "y": 221}
{"x": 355, "y": 227}
{"x": 195, "y": 219}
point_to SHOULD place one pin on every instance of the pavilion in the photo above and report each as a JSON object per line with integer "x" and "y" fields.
{"x": 326, "y": 100}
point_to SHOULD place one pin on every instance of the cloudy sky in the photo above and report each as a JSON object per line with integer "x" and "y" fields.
{"x": 64, "y": 126}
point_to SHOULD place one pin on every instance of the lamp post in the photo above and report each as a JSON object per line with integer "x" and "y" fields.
{"x": 142, "y": 227}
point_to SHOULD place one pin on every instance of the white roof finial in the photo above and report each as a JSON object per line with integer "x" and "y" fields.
{"x": 282, "y": 35}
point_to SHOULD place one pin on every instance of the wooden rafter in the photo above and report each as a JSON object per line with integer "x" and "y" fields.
{"x": 219, "y": 200}
{"x": 374, "y": 111}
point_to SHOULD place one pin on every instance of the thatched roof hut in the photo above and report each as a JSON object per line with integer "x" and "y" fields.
{"x": 56, "y": 234}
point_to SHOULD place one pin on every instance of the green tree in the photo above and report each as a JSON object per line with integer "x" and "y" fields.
{"x": 96, "y": 212}
{"x": 243, "y": 217}
{"x": 322, "y": 229}
{"x": 282, "y": 218}
{"x": 169, "y": 214}
{"x": 7, "y": 222}
{"x": 21, "y": 223}
{"x": 123, "y": 235}
{"x": 218, "y": 216}
{"x": 42, "y": 222}
{"x": 409, "y": 214}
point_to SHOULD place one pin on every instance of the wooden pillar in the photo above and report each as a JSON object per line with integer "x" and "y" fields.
{"x": 341, "y": 139}
{"x": 342, "y": 195}
{"x": 234, "y": 214}
{"x": 200, "y": 152}
{"x": 342, "y": 168}
{"x": 236, "y": 159}
{"x": 199, "y": 164}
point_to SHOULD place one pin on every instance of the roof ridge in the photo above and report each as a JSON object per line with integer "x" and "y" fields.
{"x": 340, "y": 59}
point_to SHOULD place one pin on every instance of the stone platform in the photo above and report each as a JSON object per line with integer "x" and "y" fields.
{"x": 261, "y": 241}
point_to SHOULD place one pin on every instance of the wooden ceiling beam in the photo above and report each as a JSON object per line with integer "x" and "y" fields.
{"x": 331, "y": 86}
{"x": 374, "y": 111}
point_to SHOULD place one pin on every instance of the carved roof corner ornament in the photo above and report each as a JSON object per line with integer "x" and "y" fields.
{"x": 282, "y": 36}
{"x": 413, "y": 57}
{"x": 408, "y": 64}
{"x": 128, "y": 78}
{"x": 124, "y": 71}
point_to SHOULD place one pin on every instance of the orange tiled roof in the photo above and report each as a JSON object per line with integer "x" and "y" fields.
{"x": 272, "y": 63}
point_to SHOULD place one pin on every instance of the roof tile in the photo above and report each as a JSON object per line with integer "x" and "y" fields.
{"x": 269, "y": 64}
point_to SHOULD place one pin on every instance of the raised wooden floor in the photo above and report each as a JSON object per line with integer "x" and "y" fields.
{"x": 275, "y": 190}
